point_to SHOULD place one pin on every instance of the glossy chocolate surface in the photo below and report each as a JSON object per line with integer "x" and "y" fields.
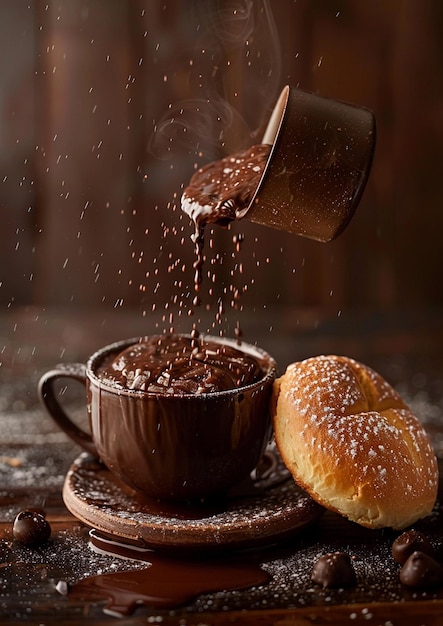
{"x": 334, "y": 570}
{"x": 220, "y": 190}
{"x": 410, "y": 541}
{"x": 177, "y": 364}
{"x": 166, "y": 582}
{"x": 31, "y": 528}
{"x": 358, "y": 568}
{"x": 421, "y": 571}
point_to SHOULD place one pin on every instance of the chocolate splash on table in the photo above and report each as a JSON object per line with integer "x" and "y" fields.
{"x": 67, "y": 558}
{"x": 167, "y": 582}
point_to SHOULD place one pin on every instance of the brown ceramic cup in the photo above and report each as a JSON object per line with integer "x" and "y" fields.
{"x": 319, "y": 164}
{"x": 172, "y": 447}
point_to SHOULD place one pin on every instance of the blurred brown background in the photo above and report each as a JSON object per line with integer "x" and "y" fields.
{"x": 106, "y": 106}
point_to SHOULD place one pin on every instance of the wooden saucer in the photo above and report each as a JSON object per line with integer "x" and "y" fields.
{"x": 262, "y": 511}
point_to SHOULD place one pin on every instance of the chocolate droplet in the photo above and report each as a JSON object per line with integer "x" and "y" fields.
{"x": 334, "y": 570}
{"x": 421, "y": 570}
{"x": 409, "y": 542}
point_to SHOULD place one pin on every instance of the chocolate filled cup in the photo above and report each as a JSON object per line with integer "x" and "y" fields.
{"x": 318, "y": 165}
{"x": 169, "y": 444}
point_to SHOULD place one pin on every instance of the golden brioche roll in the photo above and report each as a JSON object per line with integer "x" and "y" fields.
{"x": 351, "y": 442}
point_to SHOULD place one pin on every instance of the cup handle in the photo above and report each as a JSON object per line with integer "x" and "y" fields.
{"x": 47, "y": 395}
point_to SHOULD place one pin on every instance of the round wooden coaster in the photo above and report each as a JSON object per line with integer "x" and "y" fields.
{"x": 262, "y": 511}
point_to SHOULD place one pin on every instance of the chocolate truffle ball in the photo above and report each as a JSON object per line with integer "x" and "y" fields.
{"x": 31, "y": 528}
{"x": 409, "y": 542}
{"x": 334, "y": 570}
{"x": 421, "y": 571}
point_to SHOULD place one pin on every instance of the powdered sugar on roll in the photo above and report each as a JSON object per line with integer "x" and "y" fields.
{"x": 353, "y": 444}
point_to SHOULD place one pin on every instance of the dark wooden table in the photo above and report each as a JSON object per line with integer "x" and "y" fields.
{"x": 35, "y": 456}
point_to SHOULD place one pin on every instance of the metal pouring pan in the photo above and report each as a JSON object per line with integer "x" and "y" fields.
{"x": 318, "y": 166}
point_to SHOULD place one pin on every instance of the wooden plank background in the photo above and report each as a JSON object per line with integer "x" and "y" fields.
{"x": 106, "y": 107}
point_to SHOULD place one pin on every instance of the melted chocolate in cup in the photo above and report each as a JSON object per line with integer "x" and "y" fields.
{"x": 180, "y": 365}
{"x": 174, "y": 417}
